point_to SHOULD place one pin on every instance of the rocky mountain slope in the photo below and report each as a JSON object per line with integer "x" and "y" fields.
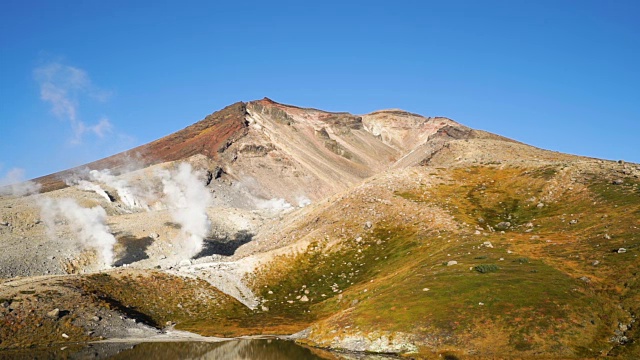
{"x": 387, "y": 232}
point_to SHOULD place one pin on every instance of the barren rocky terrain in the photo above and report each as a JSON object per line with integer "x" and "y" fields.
{"x": 388, "y": 232}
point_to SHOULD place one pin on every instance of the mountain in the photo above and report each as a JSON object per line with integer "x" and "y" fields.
{"x": 388, "y": 232}
{"x": 308, "y": 148}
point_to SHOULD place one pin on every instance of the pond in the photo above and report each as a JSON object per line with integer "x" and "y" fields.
{"x": 263, "y": 349}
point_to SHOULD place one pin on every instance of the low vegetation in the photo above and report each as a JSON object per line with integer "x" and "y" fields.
{"x": 532, "y": 287}
{"x": 540, "y": 262}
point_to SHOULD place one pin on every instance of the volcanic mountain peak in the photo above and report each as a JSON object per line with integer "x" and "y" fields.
{"x": 314, "y": 151}
{"x": 319, "y": 118}
{"x": 386, "y": 232}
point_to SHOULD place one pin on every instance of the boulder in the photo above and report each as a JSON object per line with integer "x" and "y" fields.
{"x": 184, "y": 262}
{"x": 55, "y": 313}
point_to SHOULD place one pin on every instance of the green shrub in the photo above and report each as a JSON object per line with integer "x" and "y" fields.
{"x": 485, "y": 268}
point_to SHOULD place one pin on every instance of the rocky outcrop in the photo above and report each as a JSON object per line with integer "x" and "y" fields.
{"x": 401, "y": 129}
{"x": 266, "y": 107}
{"x": 381, "y": 342}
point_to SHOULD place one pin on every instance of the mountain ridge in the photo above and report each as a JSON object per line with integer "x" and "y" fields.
{"x": 387, "y": 232}
{"x": 213, "y": 135}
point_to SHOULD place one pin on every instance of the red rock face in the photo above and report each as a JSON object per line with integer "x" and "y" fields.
{"x": 208, "y": 137}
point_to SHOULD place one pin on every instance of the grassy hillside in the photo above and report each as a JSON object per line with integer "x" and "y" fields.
{"x": 551, "y": 282}
{"x": 487, "y": 261}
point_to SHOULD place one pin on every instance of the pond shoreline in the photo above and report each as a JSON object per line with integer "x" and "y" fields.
{"x": 186, "y": 336}
{"x": 177, "y": 344}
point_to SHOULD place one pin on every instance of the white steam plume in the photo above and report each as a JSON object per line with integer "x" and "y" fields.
{"x": 187, "y": 198}
{"x": 278, "y": 204}
{"x": 88, "y": 224}
{"x": 89, "y": 186}
{"x": 303, "y": 201}
{"x": 13, "y": 184}
{"x": 251, "y": 188}
{"x": 127, "y": 194}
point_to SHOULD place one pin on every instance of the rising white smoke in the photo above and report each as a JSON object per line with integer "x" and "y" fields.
{"x": 89, "y": 186}
{"x": 251, "y": 188}
{"x": 187, "y": 198}
{"x": 127, "y": 194}
{"x": 13, "y": 183}
{"x": 88, "y": 225}
{"x": 303, "y": 201}
{"x": 275, "y": 204}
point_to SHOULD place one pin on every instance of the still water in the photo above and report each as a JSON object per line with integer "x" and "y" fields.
{"x": 269, "y": 349}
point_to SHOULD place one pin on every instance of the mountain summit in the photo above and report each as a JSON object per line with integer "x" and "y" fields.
{"x": 388, "y": 232}
{"x": 327, "y": 150}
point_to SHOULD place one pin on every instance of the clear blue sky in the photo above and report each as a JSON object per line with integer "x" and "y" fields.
{"x": 80, "y": 80}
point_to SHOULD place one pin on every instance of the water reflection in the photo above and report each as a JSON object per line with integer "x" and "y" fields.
{"x": 227, "y": 350}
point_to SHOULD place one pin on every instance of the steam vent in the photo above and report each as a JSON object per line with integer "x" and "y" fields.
{"x": 383, "y": 233}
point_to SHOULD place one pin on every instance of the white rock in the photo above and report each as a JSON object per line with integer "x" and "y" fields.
{"x": 185, "y": 262}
